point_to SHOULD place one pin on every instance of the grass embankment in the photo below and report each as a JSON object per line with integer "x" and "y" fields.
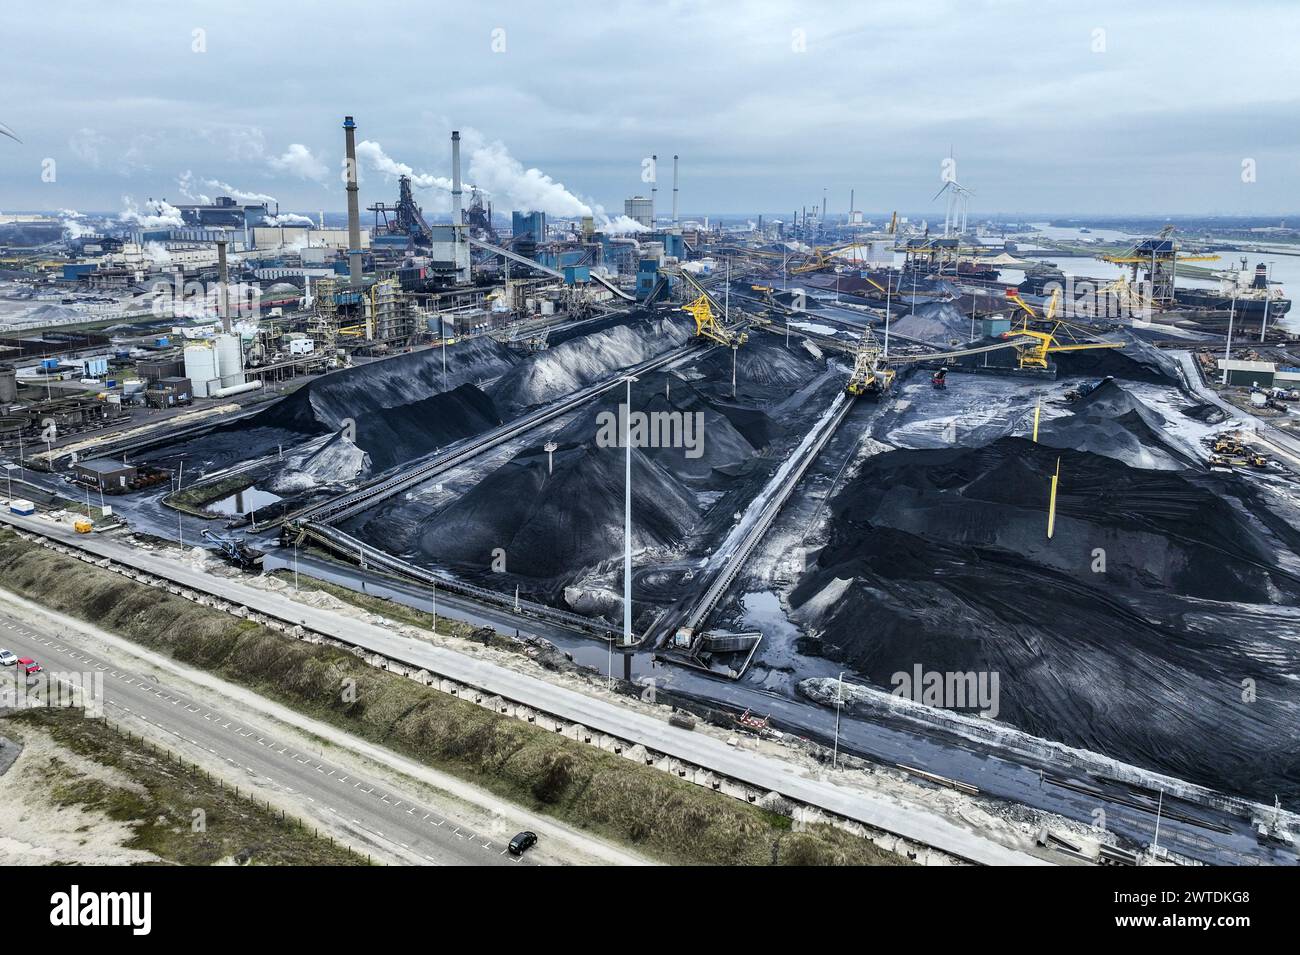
{"x": 658, "y": 814}
{"x": 160, "y": 801}
{"x": 399, "y": 612}
{"x": 192, "y": 499}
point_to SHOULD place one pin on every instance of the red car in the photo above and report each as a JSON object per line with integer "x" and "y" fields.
{"x": 28, "y": 665}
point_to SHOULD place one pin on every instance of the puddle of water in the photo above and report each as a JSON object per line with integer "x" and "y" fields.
{"x": 241, "y": 502}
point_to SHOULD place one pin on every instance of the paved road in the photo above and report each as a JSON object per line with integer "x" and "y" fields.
{"x": 762, "y": 772}
{"x": 375, "y": 812}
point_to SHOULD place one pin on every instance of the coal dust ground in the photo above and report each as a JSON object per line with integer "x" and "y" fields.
{"x": 1157, "y": 626}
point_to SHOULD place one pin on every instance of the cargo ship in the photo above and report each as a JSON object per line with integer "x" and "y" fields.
{"x": 1252, "y": 294}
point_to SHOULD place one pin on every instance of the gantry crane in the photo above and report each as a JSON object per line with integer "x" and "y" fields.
{"x": 1159, "y": 257}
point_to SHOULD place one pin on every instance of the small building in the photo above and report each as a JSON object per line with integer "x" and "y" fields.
{"x": 169, "y": 392}
{"x": 1246, "y": 374}
{"x": 106, "y": 474}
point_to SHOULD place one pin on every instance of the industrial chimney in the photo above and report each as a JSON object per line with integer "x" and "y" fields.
{"x": 455, "y": 178}
{"x": 674, "y": 190}
{"x": 223, "y": 284}
{"x": 654, "y": 187}
{"x": 354, "y": 212}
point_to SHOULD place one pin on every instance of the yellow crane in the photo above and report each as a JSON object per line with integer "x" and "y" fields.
{"x": 1034, "y": 353}
{"x": 708, "y": 323}
{"x": 1159, "y": 256}
{"x": 869, "y": 377}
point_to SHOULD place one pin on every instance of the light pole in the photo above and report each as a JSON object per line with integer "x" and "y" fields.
{"x": 1268, "y": 291}
{"x": 839, "y": 704}
{"x": 1227, "y": 349}
{"x": 627, "y": 521}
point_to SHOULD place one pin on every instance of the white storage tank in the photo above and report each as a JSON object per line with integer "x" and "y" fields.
{"x": 230, "y": 360}
{"x": 201, "y": 368}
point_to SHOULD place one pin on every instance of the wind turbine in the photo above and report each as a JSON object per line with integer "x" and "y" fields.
{"x": 954, "y": 215}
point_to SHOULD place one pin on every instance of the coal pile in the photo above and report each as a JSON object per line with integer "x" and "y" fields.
{"x": 937, "y": 322}
{"x": 580, "y": 362}
{"x": 940, "y": 557}
{"x": 1111, "y": 421}
{"x": 1122, "y": 364}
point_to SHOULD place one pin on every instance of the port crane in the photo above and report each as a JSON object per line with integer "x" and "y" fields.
{"x": 1159, "y": 257}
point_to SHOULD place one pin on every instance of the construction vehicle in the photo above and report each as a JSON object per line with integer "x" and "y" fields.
{"x": 1086, "y": 388}
{"x": 939, "y": 379}
{"x": 236, "y": 550}
{"x": 1246, "y": 459}
{"x": 870, "y": 378}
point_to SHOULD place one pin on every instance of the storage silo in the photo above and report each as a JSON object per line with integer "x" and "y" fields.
{"x": 230, "y": 360}
{"x": 201, "y": 368}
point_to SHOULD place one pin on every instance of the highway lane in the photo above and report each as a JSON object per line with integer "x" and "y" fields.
{"x": 381, "y": 818}
{"x": 762, "y": 772}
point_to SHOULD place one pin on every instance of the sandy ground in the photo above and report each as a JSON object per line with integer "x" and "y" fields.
{"x": 34, "y": 831}
{"x": 477, "y": 808}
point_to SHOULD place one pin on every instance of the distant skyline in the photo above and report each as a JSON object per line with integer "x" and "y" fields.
{"x": 1106, "y": 108}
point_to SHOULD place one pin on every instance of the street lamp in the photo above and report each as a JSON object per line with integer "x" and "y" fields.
{"x": 627, "y": 516}
{"x": 839, "y": 704}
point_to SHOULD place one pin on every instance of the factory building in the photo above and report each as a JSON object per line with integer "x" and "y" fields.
{"x": 641, "y": 209}
{"x": 528, "y": 226}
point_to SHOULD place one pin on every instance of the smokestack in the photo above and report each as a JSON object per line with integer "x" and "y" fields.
{"x": 654, "y": 187}
{"x": 455, "y": 178}
{"x": 354, "y": 212}
{"x": 223, "y": 279}
{"x": 851, "y": 192}
{"x": 674, "y": 190}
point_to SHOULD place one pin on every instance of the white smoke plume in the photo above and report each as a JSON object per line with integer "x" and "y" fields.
{"x": 493, "y": 171}
{"x": 71, "y": 227}
{"x": 504, "y": 178}
{"x": 289, "y": 218}
{"x": 157, "y": 214}
{"x": 238, "y": 195}
{"x": 621, "y": 225}
{"x": 157, "y": 254}
{"x": 299, "y": 161}
{"x": 371, "y": 153}
{"x": 185, "y": 182}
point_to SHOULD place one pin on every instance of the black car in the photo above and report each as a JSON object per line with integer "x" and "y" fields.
{"x": 522, "y": 843}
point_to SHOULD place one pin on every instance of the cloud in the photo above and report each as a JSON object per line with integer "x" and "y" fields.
{"x": 299, "y": 161}
{"x": 85, "y": 144}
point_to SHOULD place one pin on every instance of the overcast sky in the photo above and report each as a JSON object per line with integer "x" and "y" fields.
{"x": 1130, "y": 108}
